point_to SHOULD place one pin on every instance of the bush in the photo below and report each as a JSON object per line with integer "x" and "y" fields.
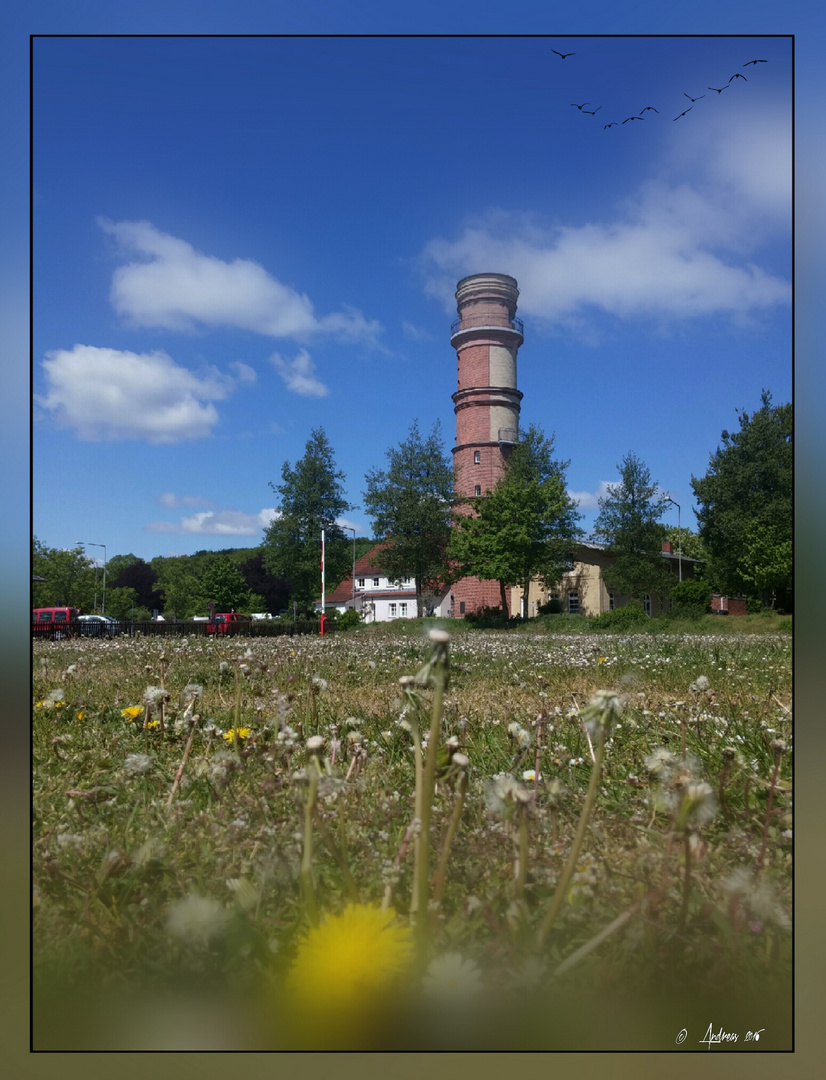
{"x": 491, "y": 617}
{"x": 623, "y": 618}
{"x": 553, "y": 607}
{"x": 691, "y": 599}
{"x": 348, "y": 620}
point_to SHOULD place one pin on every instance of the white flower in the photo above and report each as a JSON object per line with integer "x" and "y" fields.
{"x": 452, "y": 978}
{"x": 530, "y": 775}
{"x": 195, "y": 920}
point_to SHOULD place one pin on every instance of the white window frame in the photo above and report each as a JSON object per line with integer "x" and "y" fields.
{"x": 391, "y": 611}
{"x": 360, "y": 582}
{"x": 477, "y": 491}
{"x": 403, "y": 610}
{"x": 375, "y": 582}
{"x": 477, "y": 457}
{"x": 573, "y": 602}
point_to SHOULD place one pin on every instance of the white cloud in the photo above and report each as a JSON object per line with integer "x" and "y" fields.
{"x": 415, "y": 333}
{"x": 171, "y": 500}
{"x": 589, "y": 500}
{"x": 684, "y": 245}
{"x": 244, "y": 373}
{"x": 110, "y": 394}
{"x": 218, "y": 523}
{"x": 299, "y": 374}
{"x": 174, "y": 286}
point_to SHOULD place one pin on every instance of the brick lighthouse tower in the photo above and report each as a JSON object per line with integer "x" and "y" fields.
{"x": 486, "y": 337}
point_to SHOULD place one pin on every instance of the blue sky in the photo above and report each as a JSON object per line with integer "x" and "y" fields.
{"x": 239, "y": 239}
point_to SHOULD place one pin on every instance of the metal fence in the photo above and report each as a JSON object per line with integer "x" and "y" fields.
{"x": 129, "y": 628}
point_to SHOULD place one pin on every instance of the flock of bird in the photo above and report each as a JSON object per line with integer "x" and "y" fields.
{"x": 650, "y": 108}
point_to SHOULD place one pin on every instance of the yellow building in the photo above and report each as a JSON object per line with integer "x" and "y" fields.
{"x": 582, "y": 590}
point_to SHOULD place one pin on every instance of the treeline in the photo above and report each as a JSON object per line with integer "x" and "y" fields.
{"x": 178, "y": 587}
{"x": 524, "y": 529}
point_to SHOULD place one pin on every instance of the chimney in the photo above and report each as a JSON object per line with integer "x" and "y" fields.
{"x": 668, "y": 547}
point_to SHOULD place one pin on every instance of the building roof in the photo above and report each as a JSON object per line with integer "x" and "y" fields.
{"x": 365, "y": 567}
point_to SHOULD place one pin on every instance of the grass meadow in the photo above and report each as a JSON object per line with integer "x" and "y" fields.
{"x": 388, "y": 839}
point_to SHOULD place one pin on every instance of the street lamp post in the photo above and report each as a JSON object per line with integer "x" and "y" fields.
{"x": 88, "y": 543}
{"x": 350, "y": 528}
{"x": 679, "y": 535}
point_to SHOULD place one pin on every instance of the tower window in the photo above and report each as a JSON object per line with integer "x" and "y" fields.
{"x": 477, "y": 457}
{"x": 477, "y": 490}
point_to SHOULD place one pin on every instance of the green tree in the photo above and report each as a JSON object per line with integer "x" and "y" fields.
{"x": 411, "y": 502}
{"x": 178, "y": 591}
{"x": 525, "y": 528}
{"x": 745, "y": 501}
{"x": 69, "y": 577}
{"x": 628, "y": 524}
{"x": 311, "y": 499}
{"x": 688, "y": 543}
{"x": 140, "y": 576}
{"x": 224, "y": 585}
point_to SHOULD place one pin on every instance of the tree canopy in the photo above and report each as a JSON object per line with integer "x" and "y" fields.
{"x": 745, "y": 506}
{"x": 628, "y": 524}
{"x": 69, "y": 577}
{"x": 410, "y": 501}
{"x": 311, "y": 498}
{"x": 523, "y": 529}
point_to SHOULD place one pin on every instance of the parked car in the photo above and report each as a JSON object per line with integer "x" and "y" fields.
{"x": 227, "y": 622}
{"x": 98, "y": 625}
{"x": 55, "y": 622}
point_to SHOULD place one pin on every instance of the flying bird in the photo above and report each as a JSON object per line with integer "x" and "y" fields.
{"x": 755, "y": 62}
{"x": 690, "y": 107}
{"x": 693, "y": 99}
{"x": 612, "y": 124}
{"x": 722, "y": 88}
{"x": 582, "y": 106}
{"x": 738, "y": 76}
{"x": 563, "y": 55}
{"x": 647, "y": 107}
{"x": 592, "y": 112}
{"x": 625, "y": 121}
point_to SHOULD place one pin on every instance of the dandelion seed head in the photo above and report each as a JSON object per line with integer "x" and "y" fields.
{"x": 137, "y": 764}
{"x": 452, "y": 979}
{"x": 195, "y": 920}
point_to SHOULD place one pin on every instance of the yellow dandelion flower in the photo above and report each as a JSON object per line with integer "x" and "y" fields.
{"x": 132, "y": 712}
{"x": 152, "y": 725}
{"x": 241, "y": 732}
{"x": 60, "y": 704}
{"x": 43, "y": 705}
{"x": 344, "y": 973}
{"x": 80, "y": 715}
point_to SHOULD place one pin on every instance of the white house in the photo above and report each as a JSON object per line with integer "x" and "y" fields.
{"x": 377, "y": 598}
